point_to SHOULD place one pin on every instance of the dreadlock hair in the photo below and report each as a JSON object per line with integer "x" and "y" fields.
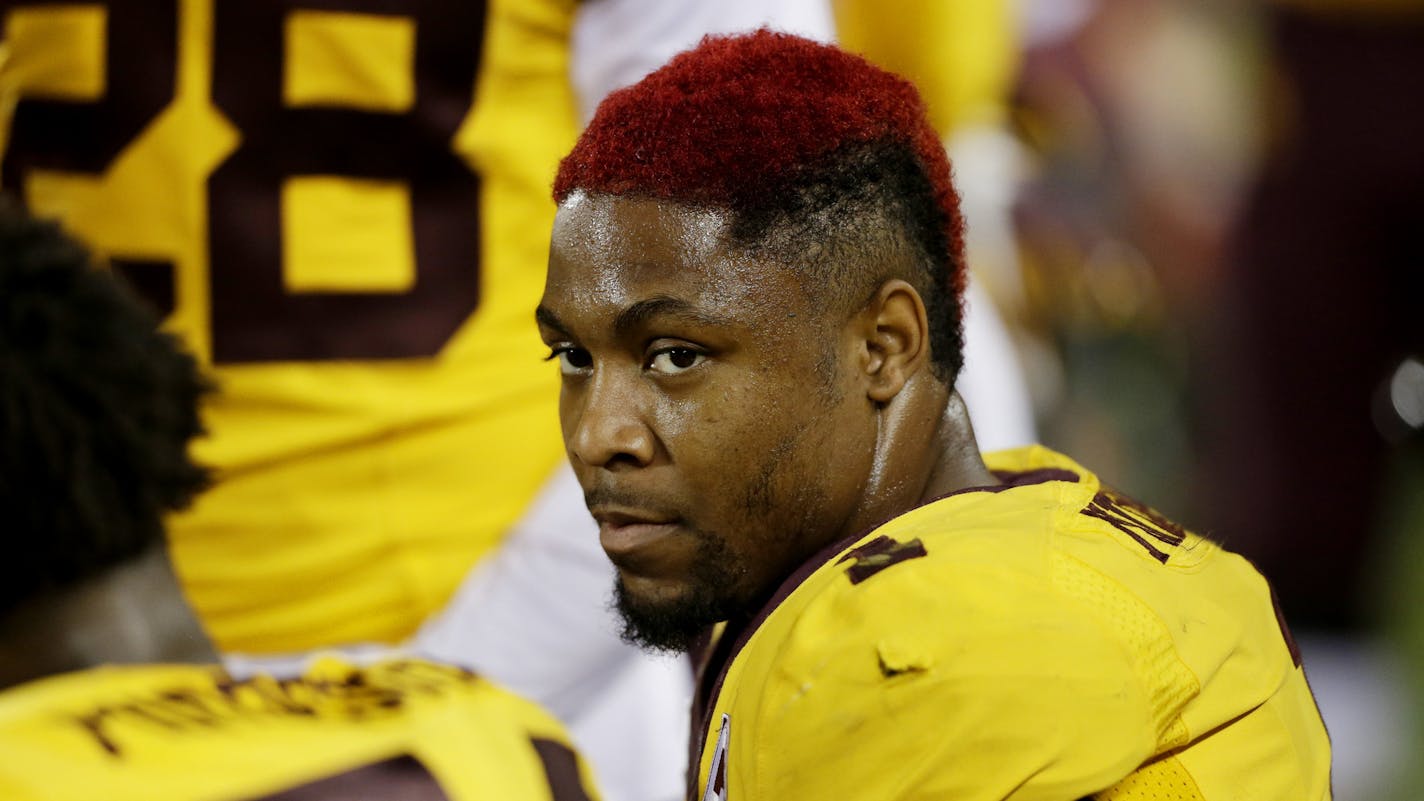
{"x": 97, "y": 407}
{"x": 822, "y": 160}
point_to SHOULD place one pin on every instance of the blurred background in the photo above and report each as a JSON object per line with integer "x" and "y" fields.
{"x": 1195, "y": 229}
{"x": 1216, "y": 290}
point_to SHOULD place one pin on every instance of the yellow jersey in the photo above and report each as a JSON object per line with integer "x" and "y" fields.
{"x": 343, "y": 207}
{"x": 1043, "y": 640}
{"x": 398, "y": 729}
{"x": 961, "y": 56}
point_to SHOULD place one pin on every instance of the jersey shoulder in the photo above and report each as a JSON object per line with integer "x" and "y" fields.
{"x": 1034, "y": 612}
{"x": 951, "y": 606}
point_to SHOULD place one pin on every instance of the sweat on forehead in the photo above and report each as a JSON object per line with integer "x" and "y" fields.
{"x": 740, "y": 119}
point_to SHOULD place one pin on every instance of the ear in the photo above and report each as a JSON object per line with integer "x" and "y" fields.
{"x": 896, "y": 335}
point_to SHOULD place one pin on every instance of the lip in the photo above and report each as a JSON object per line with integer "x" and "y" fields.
{"x": 639, "y": 542}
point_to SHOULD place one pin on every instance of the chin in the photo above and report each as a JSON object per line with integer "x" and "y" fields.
{"x": 657, "y": 619}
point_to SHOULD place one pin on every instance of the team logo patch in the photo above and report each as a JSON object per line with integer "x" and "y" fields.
{"x": 717, "y": 775}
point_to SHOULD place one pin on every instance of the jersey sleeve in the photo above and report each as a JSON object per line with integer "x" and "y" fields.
{"x": 964, "y": 694}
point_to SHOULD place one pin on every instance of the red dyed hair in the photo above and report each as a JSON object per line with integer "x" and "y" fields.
{"x": 739, "y": 118}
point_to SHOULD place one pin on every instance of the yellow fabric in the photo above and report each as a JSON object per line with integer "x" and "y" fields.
{"x": 189, "y": 733}
{"x": 961, "y": 55}
{"x": 319, "y": 69}
{"x": 1162, "y": 780}
{"x": 353, "y": 495}
{"x": 58, "y": 52}
{"x": 374, "y": 252}
{"x": 1035, "y": 653}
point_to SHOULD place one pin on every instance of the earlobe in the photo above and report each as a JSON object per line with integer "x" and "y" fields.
{"x": 897, "y": 339}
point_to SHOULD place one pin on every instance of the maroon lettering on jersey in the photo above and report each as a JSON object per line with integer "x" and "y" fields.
{"x": 255, "y": 319}
{"x": 357, "y": 695}
{"x": 1143, "y": 524}
{"x": 140, "y": 71}
{"x": 150, "y": 279}
{"x": 85, "y": 136}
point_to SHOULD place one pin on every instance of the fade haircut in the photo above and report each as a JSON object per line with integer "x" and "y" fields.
{"x": 821, "y": 159}
{"x": 97, "y": 407}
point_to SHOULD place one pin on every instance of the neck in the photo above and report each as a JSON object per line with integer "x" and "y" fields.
{"x": 133, "y": 613}
{"x": 957, "y": 462}
{"x": 925, "y": 449}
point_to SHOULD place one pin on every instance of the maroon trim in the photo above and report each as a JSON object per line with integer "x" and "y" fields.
{"x": 561, "y": 769}
{"x": 1281, "y": 620}
{"x": 403, "y": 777}
{"x": 735, "y": 636}
{"x": 1285, "y": 629}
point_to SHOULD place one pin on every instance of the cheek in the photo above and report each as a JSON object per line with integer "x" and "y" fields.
{"x": 568, "y": 419}
{"x": 713, "y": 433}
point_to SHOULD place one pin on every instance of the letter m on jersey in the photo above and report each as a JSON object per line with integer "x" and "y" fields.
{"x": 1144, "y": 525}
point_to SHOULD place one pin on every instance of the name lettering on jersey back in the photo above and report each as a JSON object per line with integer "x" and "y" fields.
{"x": 1143, "y": 524}
{"x": 350, "y": 694}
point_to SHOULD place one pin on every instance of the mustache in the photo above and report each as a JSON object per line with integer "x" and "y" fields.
{"x": 611, "y": 497}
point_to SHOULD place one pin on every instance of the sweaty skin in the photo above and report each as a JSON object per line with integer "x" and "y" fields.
{"x": 725, "y": 426}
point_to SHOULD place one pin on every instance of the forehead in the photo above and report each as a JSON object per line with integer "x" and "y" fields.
{"x": 617, "y": 251}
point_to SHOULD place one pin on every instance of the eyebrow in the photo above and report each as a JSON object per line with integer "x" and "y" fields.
{"x": 638, "y": 314}
{"x": 663, "y": 306}
{"x": 548, "y": 319}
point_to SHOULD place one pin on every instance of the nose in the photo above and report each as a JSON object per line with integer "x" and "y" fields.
{"x": 608, "y": 429}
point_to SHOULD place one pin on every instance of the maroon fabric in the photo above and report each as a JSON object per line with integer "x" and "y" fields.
{"x": 402, "y": 777}
{"x": 561, "y": 769}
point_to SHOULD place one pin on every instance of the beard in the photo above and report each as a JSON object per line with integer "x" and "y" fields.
{"x": 671, "y": 625}
{"x": 717, "y": 588}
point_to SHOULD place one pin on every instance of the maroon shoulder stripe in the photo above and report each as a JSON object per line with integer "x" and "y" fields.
{"x": 561, "y": 769}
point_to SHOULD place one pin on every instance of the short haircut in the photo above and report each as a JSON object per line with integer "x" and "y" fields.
{"x": 97, "y": 407}
{"x": 818, "y": 155}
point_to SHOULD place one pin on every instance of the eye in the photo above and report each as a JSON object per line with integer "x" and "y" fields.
{"x": 671, "y": 361}
{"x": 571, "y": 360}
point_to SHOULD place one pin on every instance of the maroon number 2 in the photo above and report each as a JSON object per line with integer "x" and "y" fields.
{"x": 86, "y": 137}
{"x": 254, "y": 318}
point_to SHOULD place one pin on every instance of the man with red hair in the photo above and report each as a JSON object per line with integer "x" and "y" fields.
{"x": 754, "y": 297}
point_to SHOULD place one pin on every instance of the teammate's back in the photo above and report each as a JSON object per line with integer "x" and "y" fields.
{"x": 109, "y": 686}
{"x": 402, "y": 729}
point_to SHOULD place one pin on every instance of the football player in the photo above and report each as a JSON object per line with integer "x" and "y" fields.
{"x": 342, "y": 209}
{"x": 754, "y": 296}
{"x": 111, "y": 689}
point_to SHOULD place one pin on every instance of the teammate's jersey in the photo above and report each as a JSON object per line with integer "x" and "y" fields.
{"x": 960, "y": 56}
{"x": 1046, "y": 640}
{"x": 344, "y": 206}
{"x": 401, "y": 729}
